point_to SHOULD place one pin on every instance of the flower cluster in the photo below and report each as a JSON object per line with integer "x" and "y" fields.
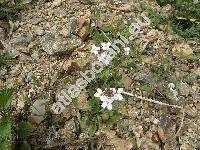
{"x": 108, "y": 96}
{"x": 102, "y": 52}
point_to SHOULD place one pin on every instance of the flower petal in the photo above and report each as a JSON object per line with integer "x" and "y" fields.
{"x": 113, "y": 89}
{"x": 104, "y": 105}
{"x": 93, "y": 46}
{"x": 109, "y": 106}
{"x": 95, "y": 50}
{"x": 120, "y": 97}
{"x": 111, "y": 99}
{"x": 98, "y": 93}
{"x": 120, "y": 90}
{"x": 104, "y": 58}
{"x": 99, "y": 90}
{"x": 104, "y": 98}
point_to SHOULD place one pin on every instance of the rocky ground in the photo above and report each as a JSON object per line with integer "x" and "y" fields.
{"x": 50, "y": 44}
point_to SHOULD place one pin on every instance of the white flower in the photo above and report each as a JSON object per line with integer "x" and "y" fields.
{"x": 105, "y": 46}
{"x": 118, "y": 94}
{"x": 98, "y": 93}
{"x": 127, "y": 50}
{"x": 109, "y": 96}
{"x": 120, "y": 90}
{"x": 113, "y": 89}
{"x": 95, "y": 50}
{"x": 106, "y": 104}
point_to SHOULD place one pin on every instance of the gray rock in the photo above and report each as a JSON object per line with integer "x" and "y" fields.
{"x": 29, "y": 76}
{"x": 12, "y": 51}
{"x": 54, "y": 43}
{"x": 70, "y": 125}
{"x": 36, "y": 55}
{"x": 38, "y": 111}
{"x": 21, "y": 41}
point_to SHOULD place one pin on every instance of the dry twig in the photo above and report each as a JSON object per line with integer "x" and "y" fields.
{"x": 152, "y": 101}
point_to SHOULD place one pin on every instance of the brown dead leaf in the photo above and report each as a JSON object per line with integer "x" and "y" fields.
{"x": 197, "y": 105}
{"x": 121, "y": 71}
{"x": 84, "y": 34}
{"x": 70, "y": 67}
{"x": 69, "y": 112}
{"x": 83, "y": 24}
{"x": 161, "y": 135}
{"x": 31, "y": 120}
{"x": 152, "y": 38}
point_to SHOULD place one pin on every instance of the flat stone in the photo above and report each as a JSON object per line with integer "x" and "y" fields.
{"x": 38, "y": 111}
{"x": 21, "y": 41}
{"x": 54, "y": 43}
{"x": 70, "y": 125}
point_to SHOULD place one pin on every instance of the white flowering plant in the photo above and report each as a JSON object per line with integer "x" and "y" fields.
{"x": 102, "y": 100}
{"x": 108, "y": 96}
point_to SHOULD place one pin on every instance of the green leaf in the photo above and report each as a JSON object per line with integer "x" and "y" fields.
{"x": 93, "y": 128}
{"x": 5, "y": 133}
{"x": 3, "y": 1}
{"x": 5, "y": 98}
{"x": 24, "y": 129}
{"x": 83, "y": 122}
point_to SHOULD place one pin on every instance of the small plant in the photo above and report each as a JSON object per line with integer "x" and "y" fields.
{"x": 5, "y": 133}
{"x": 163, "y": 69}
{"x": 5, "y": 60}
{"x": 9, "y": 9}
{"x": 24, "y": 129}
{"x": 184, "y": 20}
{"x": 158, "y": 71}
{"x": 157, "y": 18}
{"x": 5, "y": 121}
{"x": 95, "y": 116}
{"x": 5, "y": 99}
